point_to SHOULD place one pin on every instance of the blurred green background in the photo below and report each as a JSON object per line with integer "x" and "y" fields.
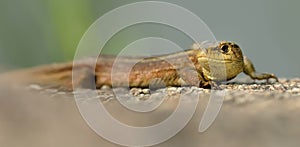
{"x": 35, "y": 32}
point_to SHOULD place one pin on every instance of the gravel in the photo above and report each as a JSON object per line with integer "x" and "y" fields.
{"x": 237, "y": 91}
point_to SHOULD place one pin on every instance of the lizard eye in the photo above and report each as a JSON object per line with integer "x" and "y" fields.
{"x": 224, "y": 49}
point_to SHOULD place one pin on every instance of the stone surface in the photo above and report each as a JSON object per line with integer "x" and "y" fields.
{"x": 252, "y": 114}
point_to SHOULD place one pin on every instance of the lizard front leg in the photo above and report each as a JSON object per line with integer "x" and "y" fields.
{"x": 250, "y": 71}
{"x": 190, "y": 77}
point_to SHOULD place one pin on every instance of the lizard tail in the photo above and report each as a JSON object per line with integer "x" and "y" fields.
{"x": 58, "y": 76}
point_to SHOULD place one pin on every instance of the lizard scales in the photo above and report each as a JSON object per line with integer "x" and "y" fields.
{"x": 199, "y": 66}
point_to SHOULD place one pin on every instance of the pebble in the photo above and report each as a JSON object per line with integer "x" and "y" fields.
{"x": 135, "y": 91}
{"x": 172, "y": 88}
{"x": 278, "y": 87}
{"x": 51, "y": 90}
{"x": 35, "y": 87}
{"x": 139, "y": 91}
{"x": 61, "y": 92}
{"x": 146, "y": 91}
{"x": 105, "y": 87}
{"x": 295, "y": 90}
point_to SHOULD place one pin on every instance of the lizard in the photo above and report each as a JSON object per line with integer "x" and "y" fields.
{"x": 203, "y": 65}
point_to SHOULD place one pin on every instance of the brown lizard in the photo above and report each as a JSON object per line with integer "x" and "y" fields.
{"x": 199, "y": 66}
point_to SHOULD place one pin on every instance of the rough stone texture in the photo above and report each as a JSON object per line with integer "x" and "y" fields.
{"x": 252, "y": 114}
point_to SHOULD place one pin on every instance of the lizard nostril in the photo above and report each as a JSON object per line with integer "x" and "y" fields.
{"x": 236, "y": 46}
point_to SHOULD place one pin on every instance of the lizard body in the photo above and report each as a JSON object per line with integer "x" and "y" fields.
{"x": 199, "y": 66}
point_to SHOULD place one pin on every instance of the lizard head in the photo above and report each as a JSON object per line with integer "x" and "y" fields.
{"x": 217, "y": 57}
{"x": 230, "y": 51}
{"x": 224, "y": 51}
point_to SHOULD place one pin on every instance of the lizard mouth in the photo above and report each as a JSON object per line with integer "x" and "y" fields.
{"x": 216, "y": 60}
